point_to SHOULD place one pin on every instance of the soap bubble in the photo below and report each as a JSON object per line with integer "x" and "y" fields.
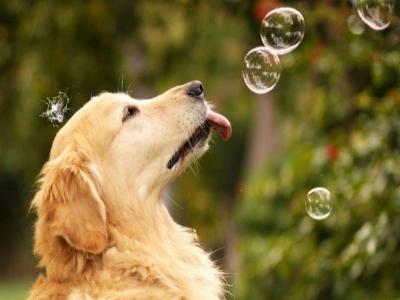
{"x": 319, "y": 203}
{"x": 377, "y": 14}
{"x": 282, "y": 30}
{"x": 355, "y": 25}
{"x": 56, "y": 108}
{"x": 261, "y": 70}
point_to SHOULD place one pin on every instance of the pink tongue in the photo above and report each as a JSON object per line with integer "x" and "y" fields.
{"x": 221, "y": 123}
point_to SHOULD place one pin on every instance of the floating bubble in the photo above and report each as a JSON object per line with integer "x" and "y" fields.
{"x": 319, "y": 203}
{"x": 282, "y": 30}
{"x": 377, "y": 14}
{"x": 261, "y": 70}
{"x": 56, "y": 108}
{"x": 355, "y": 25}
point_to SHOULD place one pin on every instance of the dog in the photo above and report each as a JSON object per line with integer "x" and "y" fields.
{"x": 102, "y": 229}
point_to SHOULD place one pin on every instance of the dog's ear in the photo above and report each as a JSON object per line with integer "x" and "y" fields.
{"x": 69, "y": 203}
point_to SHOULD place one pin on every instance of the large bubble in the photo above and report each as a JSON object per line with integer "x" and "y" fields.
{"x": 377, "y": 14}
{"x": 282, "y": 30}
{"x": 319, "y": 203}
{"x": 261, "y": 70}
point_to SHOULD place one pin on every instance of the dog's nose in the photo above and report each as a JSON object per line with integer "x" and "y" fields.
{"x": 195, "y": 89}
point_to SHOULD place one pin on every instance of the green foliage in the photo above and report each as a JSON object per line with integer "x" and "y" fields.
{"x": 14, "y": 290}
{"x": 339, "y": 110}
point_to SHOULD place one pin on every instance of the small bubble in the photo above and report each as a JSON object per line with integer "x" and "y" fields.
{"x": 282, "y": 30}
{"x": 319, "y": 203}
{"x": 57, "y": 106}
{"x": 355, "y": 25}
{"x": 377, "y": 14}
{"x": 261, "y": 70}
{"x": 353, "y": 2}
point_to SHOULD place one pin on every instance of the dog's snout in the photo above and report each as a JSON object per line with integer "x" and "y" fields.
{"x": 195, "y": 89}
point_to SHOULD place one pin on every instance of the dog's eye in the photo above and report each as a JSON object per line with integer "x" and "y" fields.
{"x": 129, "y": 112}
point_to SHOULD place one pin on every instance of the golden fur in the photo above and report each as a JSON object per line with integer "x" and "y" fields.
{"x": 102, "y": 230}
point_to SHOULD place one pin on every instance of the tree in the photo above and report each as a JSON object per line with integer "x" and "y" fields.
{"x": 338, "y": 99}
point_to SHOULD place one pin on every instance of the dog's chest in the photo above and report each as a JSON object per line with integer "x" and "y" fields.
{"x": 189, "y": 275}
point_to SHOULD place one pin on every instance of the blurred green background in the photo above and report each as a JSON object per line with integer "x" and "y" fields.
{"x": 333, "y": 120}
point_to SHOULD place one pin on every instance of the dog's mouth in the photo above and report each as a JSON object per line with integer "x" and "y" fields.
{"x": 214, "y": 120}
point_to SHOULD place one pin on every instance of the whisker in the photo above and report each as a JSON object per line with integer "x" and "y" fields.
{"x": 172, "y": 201}
{"x": 196, "y": 165}
{"x": 194, "y": 171}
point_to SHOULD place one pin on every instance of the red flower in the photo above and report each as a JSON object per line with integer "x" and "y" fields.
{"x": 316, "y": 52}
{"x": 262, "y": 7}
{"x": 332, "y": 151}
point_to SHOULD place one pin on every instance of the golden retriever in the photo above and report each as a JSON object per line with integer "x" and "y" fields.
{"x": 102, "y": 230}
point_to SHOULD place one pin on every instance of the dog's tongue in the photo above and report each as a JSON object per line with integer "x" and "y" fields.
{"x": 221, "y": 123}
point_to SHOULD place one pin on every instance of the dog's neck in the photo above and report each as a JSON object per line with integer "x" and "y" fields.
{"x": 149, "y": 230}
{"x": 147, "y": 221}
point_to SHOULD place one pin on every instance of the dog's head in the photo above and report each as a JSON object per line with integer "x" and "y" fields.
{"x": 117, "y": 145}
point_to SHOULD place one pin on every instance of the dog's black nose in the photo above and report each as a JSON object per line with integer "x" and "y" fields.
{"x": 195, "y": 89}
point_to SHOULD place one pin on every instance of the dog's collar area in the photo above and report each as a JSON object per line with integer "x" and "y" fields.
{"x": 200, "y": 134}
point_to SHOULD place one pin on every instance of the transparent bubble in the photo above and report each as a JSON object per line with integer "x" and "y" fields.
{"x": 282, "y": 30}
{"x": 319, "y": 203}
{"x": 261, "y": 70}
{"x": 355, "y": 25}
{"x": 56, "y": 108}
{"x": 353, "y": 2}
{"x": 377, "y": 14}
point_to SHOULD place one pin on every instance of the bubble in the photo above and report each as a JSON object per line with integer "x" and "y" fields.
{"x": 56, "y": 108}
{"x": 282, "y": 30}
{"x": 377, "y": 14}
{"x": 261, "y": 70}
{"x": 319, "y": 203}
{"x": 355, "y": 25}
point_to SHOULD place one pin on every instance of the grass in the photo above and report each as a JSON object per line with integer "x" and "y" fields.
{"x": 14, "y": 290}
